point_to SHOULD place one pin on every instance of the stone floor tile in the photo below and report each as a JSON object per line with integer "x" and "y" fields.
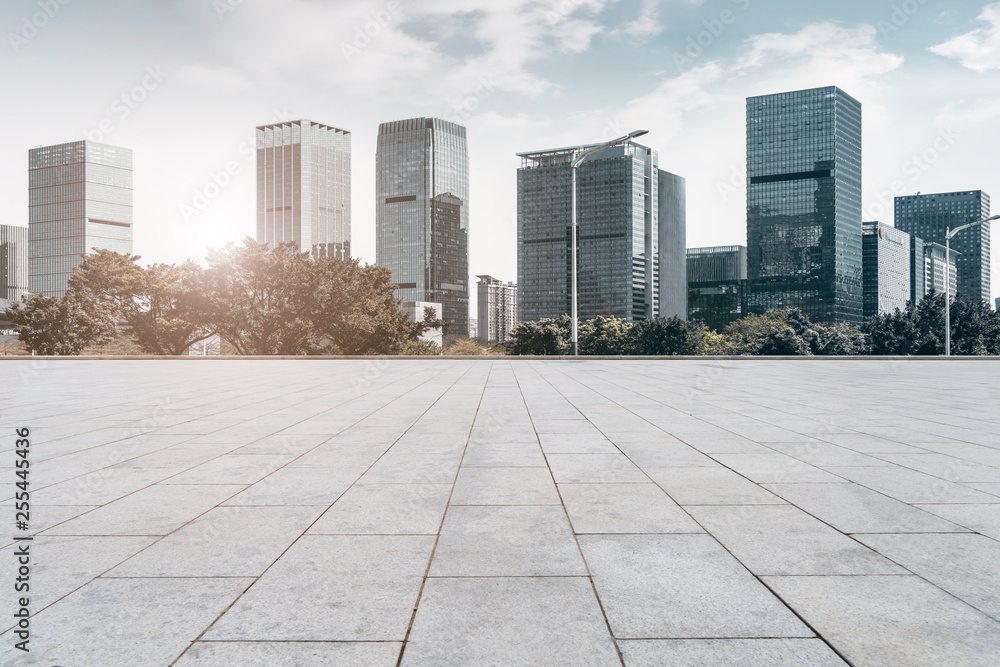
{"x": 232, "y": 469}
{"x": 223, "y": 542}
{"x": 386, "y": 509}
{"x": 504, "y": 486}
{"x": 291, "y": 654}
{"x": 964, "y": 564}
{"x": 851, "y": 508}
{"x": 413, "y": 469}
{"x": 576, "y": 443}
{"x": 913, "y": 487}
{"x": 155, "y": 510}
{"x": 774, "y": 468}
{"x": 594, "y": 469}
{"x": 299, "y": 486}
{"x": 711, "y": 486}
{"x": 61, "y": 564}
{"x": 681, "y": 587}
{"x": 503, "y": 454}
{"x": 892, "y": 620}
{"x": 505, "y": 541}
{"x": 333, "y": 588}
{"x": 624, "y": 508}
{"x": 728, "y": 653}
{"x": 509, "y": 621}
{"x": 781, "y": 539}
{"x": 124, "y": 621}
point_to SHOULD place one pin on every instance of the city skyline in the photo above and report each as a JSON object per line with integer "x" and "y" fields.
{"x": 517, "y": 76}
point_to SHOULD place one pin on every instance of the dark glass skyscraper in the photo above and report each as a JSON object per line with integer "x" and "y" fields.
{"x": 927, "y": 216}
{"x": 304, "y": 187}
{"x": 79, "y": 199}
{"x": 630, "y": 217}
{"x": 804, "y": 203}
{"x": 422, "y": 214}
{"x": 716, "y": 285}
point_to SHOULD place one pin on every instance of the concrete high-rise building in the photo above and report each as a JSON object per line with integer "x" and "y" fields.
{"x": 717, "y": 279}
{"x": 934, "y": 268}
{"x": 79, "y": 200}
{"x": 497, "y": 306}
{"x": 13, "y": 262}
{"x": 304, "y": 187}
{"x": 928, "y": 216}
{"x": 630, "y": 237}
{"x": 804, "y": 204}
{"x": 886, "y": 262}
{"x": 918, "y": 279}
{"x": 422, "y": 214}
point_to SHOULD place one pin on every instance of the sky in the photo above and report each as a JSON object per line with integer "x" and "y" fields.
{"x": 183, "y": 83}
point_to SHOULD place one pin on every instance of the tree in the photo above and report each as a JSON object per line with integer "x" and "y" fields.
{"x": 544, "y": 337}
{"x": 746, "y": 335}
{"x": 667, "y": 337}
{"x": 464, "y": 346}
{"x": 162, "y": 306}
{"x": 260, "y": 300}
{"x": 919, "y": 330}
{"x": 783, "y": 342}
{"x": 59, "y": 325}
{"x": 604, "y": 336}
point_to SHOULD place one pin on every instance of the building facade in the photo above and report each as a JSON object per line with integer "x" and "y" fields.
{"x": 630, "y": 235}
{"x": 416, "y": 310}
{"x": 304, "y": 187}
{"x": 918, "y": 279}
{"x": 928, "y": 216}
{"x": 887, "y": 268}
{"x": 935, "y": 267}
{"x": 13, "y": 262}
{"x": 804, "y": 204}
{"x": 716, "y": 285}
{"x": 497, "y": 309}
{"x": 79, "y": 200}
{"x": 422, "y": 214}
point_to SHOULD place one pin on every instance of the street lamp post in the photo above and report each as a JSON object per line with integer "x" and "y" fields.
{"x": 949, "y": 233}
{"x": 577, "y": 160}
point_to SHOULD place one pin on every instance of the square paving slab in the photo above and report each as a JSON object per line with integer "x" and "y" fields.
{"x": 531, "y": 511}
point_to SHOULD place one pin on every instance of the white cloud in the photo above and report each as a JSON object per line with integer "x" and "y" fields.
{"x": 961, "y": 113}
{"x": 645, "y": 27}
{"x": 979, "y": 49}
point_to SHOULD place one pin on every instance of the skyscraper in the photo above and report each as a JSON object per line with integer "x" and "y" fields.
{"x": 304, "y": 187}
{"x": 886, "y": 261}
{"x": 717, "y": 285}
{"x": 934, "y": 268}
{"x": 422, "y": 214}
{"x": 804, "y": 203}
{"x": 918, "y": 281}
{"x": 630, "y": 237}
{"x": 79, "y": 199}
{"x": 497, "y": 309}
{"x": 13, "y": 262}
{"x": 927, "y": 216}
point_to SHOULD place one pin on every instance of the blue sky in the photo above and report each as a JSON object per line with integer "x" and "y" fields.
{"x": 183, "y": 83}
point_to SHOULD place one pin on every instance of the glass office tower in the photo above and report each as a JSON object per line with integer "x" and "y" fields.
{"x": 804, "y": 204}
{"x": 13, "y": 262}
{"x": 886, "y": 258}
{"x": 304, "y": 187}
{"x": 422, "y": 214}
{"x": 620, "y": 236}
{"x": 927, "y": 216}
{"x": 79, "y": 200}
{"x": 716, "y": 286}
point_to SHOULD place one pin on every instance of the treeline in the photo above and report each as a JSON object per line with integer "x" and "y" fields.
{"x": 259, "y": 301}
{"x": 915, "y": 330}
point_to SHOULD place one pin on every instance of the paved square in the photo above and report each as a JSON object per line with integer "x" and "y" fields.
{"x": 515, "y": 512}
